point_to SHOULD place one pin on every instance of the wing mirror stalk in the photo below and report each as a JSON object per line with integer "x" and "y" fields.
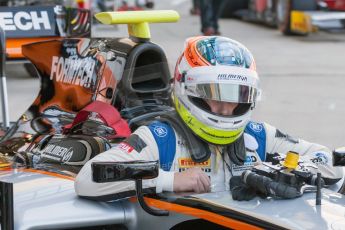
{"x": 6, "y": 206}
{"x": 131, "y": 170}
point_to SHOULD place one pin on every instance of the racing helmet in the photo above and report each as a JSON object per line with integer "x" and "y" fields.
{"x": 219, "y": 69}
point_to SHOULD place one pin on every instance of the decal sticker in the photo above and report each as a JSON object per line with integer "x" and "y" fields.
{"x": 237, "y": 170}
{"x": 181, "y": 143}
{"x": 29, "y": 21}
{"x": 57, "y": 153}
{"x": 190, "y": 78}
{"x": 36, "y": 159}
{"x": 73, "y": 70}
{"x": 256, "y": 127}
{"x": 126, "y": 147}
{"x": 206, "y": 170}
{"x": 231, "y": 77}
{"x": 160, "y": 131}
{"x": 135, "y": 142}
{"x": 320, "y": 158}
{"x": 251, "y": 159}
{"x": 189, "y": 163}
{"x": 22, "y": 20}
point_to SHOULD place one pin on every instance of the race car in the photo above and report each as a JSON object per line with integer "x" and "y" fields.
{"x": 252, "y": 10}
{"x": 291, "y": 16}
{"x": 86, "y": 84}
{"x": 304, "y": 17}
{"x": 336, "y": 5}
{"x": 137, "y": 5}
{"x": 40, "y": 21}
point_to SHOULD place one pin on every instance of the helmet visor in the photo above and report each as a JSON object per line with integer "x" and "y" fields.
{"x": 224, "y": 92}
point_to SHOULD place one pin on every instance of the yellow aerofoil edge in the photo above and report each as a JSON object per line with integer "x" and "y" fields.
{"x": 138, "y": 21}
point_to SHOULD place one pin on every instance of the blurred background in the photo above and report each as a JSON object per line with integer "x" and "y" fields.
{"x": 302, "y": 77}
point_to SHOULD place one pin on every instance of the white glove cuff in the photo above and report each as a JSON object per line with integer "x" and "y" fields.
{"x": 165, "y": 181}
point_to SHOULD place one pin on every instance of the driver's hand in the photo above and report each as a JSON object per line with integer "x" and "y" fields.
{"x": 192, "y": 180}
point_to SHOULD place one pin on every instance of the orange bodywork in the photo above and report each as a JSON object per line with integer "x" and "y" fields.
{"x": 14, "y": 45}
{"x": 67, "y": 97}
{"x": 39, "y": 172}
{"x": 206, "y": 215}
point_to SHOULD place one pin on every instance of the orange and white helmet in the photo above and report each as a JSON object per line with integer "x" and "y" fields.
{"x": 220, "y": 69}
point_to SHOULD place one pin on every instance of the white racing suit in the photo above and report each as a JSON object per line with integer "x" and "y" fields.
{"x": 160, "y": 141}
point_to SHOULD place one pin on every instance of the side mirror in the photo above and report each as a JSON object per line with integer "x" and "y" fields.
{"x": 103, "y": 172}
{"x": 339, "y": 156}
{"x": 129, "y": 170}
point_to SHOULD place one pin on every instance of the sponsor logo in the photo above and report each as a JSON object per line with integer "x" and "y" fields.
{"x": 126, "y": 147}
{"x": 160, "y": 131}
{"x": 36, "y": 159}
{"x": 206, "y": 170}
{"x": 188, "y": 163}
{"x": 70, "y": 47}
{"x": 21, "y": 20}
{"x": 237, "y": 170}
{"x": 256, "y": 127}
{"x": 57, "y": 153}
{"x": 73, "y": 70}
{"x": 181, "y": 143}
{"x": 320, "y": 158}
{"x": 232, "y": 77}
{"x": 251, "y": 159}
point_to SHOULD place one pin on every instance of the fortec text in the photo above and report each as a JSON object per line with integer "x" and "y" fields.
{"x": 22, "y": 20}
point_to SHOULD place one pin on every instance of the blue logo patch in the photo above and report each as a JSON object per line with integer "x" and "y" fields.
{"x": 320, "y": 158}
{"x": 256, "y": 127}
{"x": 251, "y": 159}
{"x": 160, "y": 131}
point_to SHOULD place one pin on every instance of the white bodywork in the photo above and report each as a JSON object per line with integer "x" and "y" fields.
{"x": 46, "y": 202}
{"x": 300, "y": 213}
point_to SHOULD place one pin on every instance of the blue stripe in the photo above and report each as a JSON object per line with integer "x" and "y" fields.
{"x": 257, "y": 130}
{"x": 166, "y": 142}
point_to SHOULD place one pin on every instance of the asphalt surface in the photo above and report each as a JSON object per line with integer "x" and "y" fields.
{"x": 302, "y": 78}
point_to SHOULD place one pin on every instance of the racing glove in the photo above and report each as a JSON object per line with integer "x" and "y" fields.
{"x": 266, "y": 186}
{"x": 240, "y": 191}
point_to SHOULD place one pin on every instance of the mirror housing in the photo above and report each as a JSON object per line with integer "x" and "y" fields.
{"x": 103, "y": 172}
{"x": 119, "y": 171}
{"x": 339, "y": 157}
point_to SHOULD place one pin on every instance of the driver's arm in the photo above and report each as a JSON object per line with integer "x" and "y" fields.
{"x": 315, "y": 154}
{"x": 140, "y": 145}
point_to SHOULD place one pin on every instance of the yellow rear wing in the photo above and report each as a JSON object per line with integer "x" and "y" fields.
{"x": 138, "y": 21}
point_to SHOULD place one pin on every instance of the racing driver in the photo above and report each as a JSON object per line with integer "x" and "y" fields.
{"x": 210, "y": 137}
